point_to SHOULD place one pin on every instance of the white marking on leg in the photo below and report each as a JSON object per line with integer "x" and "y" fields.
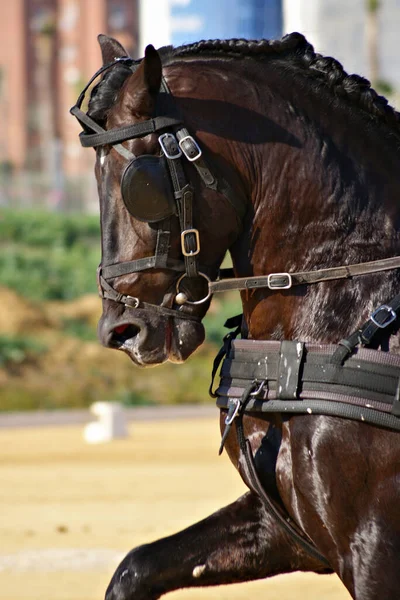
{"x": 102, "y": 156}
{"x": 199, "y": 570}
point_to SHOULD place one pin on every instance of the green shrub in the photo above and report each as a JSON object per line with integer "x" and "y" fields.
{"x": 49, "y": 256}
{"x": 15, "y": 350}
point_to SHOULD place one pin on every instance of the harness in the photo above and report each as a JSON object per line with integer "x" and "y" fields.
{"x": 256, "y": 376}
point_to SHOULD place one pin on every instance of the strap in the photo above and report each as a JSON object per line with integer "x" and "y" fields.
{"x": 282, "y": 281}
{"x": 88, "y": 122}
{"x": 396, "y": 403}
{"x": 121, "y": 134}
{"x": 126, "y": 61}
{"x": 284, "y": 520}
{"x": 382, "y": 317}
{"x": 162, "y": 247}
{"x": 110, "y": 293}
{"x": 141, "y": 264}
{"x": 189, "y": 241}
{"x": 224, "y": 350}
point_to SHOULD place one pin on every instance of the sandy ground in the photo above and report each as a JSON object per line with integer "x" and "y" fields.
{"x": 69, "y": 511}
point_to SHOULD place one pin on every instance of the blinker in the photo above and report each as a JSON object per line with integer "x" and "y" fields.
{"x": 147, "y": 190}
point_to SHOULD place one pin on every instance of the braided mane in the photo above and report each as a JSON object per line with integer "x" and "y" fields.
{"x": 294, "y": 49}
{"x": 298, "y": 51}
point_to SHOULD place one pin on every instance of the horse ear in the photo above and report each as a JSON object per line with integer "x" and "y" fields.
{"x": 152, "y": 69}
{"x": 110, "y": 49}
{"x": 142, "y": 88}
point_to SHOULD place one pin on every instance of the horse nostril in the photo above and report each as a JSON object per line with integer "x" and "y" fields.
{"x": 122, "y": 333}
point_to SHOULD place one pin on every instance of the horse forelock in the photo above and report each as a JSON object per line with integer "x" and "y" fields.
{"x": 105, "y": 93}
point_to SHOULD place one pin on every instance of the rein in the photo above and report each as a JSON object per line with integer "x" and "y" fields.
{"x": 284, "y": 281}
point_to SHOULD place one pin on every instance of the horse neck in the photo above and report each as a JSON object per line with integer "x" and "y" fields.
{"x": 324, "y": 193}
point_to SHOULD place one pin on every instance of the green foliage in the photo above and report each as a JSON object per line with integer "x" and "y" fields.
{"x": 80, "y": 329}
{"x": 373, "y": 5}
{"x": 221, "y": 310}
{"x": 49, "y": 256}
{"x": 133, "y": 398}
{"x": 384, "y": 87}
{"x": 48, "y": 230}
{"x": 15, "y": 350}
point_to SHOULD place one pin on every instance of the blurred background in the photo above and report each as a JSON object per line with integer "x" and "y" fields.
{"x": 49, "y": 231}
{"x": 70, "y": 510}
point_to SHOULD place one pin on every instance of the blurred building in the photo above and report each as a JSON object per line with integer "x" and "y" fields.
{"x": 194, "y": 20}
{"x": 48, "y": 50}
{"x": 362, "y": 34}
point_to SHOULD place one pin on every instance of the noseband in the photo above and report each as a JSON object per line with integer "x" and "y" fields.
{"x": 155, "y": 189}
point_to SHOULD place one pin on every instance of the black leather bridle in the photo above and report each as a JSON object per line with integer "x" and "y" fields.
{"x": 177, "y": 146}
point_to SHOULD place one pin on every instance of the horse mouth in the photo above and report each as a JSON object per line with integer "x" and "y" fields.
{"x": 152, "y": 344}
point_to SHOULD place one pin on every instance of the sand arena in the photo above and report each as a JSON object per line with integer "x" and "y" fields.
{"x": 70, "y": 511}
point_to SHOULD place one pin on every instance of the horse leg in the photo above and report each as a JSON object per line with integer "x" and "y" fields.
{"x": 371, "y": 570}
{"x": 238, "y": 543}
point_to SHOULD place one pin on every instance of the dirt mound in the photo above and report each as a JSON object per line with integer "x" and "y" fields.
{"x": 19, "y": 316}
{"x": 86, "y": 308}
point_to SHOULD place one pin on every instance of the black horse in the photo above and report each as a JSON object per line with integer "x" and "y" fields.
{"x": 299, "y": 171}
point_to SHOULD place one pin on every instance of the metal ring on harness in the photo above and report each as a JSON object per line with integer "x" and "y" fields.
{"x": 181, "y": 297}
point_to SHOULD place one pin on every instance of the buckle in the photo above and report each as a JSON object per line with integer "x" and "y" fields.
{"x": 169, "y": 139}
{"x": 233, "y": 410}
{"x": 192, "y": 145}
{"x": 260, "y": 387}
{"x": 183, "y": 238}
{"x": 131, "y": 301}
{"x": 274, "y": 281}
{"x": 391, "y": 316}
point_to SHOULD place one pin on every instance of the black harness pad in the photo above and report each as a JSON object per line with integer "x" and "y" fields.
{"x": 289, "y": 376}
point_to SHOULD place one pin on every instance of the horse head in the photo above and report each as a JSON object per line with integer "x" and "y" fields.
{"x": 164, "y": 232}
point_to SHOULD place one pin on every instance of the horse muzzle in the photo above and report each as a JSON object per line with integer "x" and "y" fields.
{"x": 150, "y": 341}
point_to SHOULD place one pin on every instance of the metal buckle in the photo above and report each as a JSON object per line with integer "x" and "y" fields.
{"x": 183, "y": 236}
{"x": 197, "y": 147}
{"x": 135, "y": 302}
{"x": 279, "y": 286}
{"x": 161, "y": 141}
{"x": 391, "y": 316}
{"x": 260, "y": 387}
{"x": 233, "y": 409}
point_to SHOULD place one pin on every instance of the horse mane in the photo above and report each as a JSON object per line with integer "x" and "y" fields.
{"x": 298, "y": 52}
{"x": 293, "y": 48}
